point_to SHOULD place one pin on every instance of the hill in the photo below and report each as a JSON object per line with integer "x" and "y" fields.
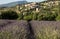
{"x": 13, "y": 4}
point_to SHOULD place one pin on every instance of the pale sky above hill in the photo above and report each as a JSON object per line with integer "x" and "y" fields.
{"x": 8, "y": 1}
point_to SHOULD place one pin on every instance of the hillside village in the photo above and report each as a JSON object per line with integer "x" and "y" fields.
{"x": 46, "y": 10}
{"x": 32, "y": 6}
{"x": 38, "y": 6}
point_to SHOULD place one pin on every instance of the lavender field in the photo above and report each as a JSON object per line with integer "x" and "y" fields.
{"x": 12, "y": 29}
{"x": 21, "y": 29}
{"x": 46, "y": 29}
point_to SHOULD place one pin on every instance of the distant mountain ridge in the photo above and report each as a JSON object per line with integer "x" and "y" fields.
{"x": 13, "y": 4}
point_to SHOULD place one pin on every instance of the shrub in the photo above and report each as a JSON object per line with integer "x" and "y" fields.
{"x": 47, "y": 16}
{"x": 9, "y": 15}
{"x": 40, "y": 17}
{"x": 20, "y": 16}
{"x": 34, "y": 16}
{"x": 0, "y": 15}
{"x": 28, "y": 17}
{"x": 58, "y": 18}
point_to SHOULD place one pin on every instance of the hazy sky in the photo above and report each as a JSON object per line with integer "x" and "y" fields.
{"x": 7, "y": 1}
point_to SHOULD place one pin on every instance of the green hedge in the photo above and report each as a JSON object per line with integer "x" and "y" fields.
{"x": 9, "y": 15}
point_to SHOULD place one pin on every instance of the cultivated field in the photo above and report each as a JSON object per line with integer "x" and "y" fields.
{"x": 20, "y": 29}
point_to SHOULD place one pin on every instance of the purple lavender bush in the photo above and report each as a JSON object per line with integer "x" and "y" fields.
{"x": 14, "y": 29}
{"x": 46, "y": 29}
